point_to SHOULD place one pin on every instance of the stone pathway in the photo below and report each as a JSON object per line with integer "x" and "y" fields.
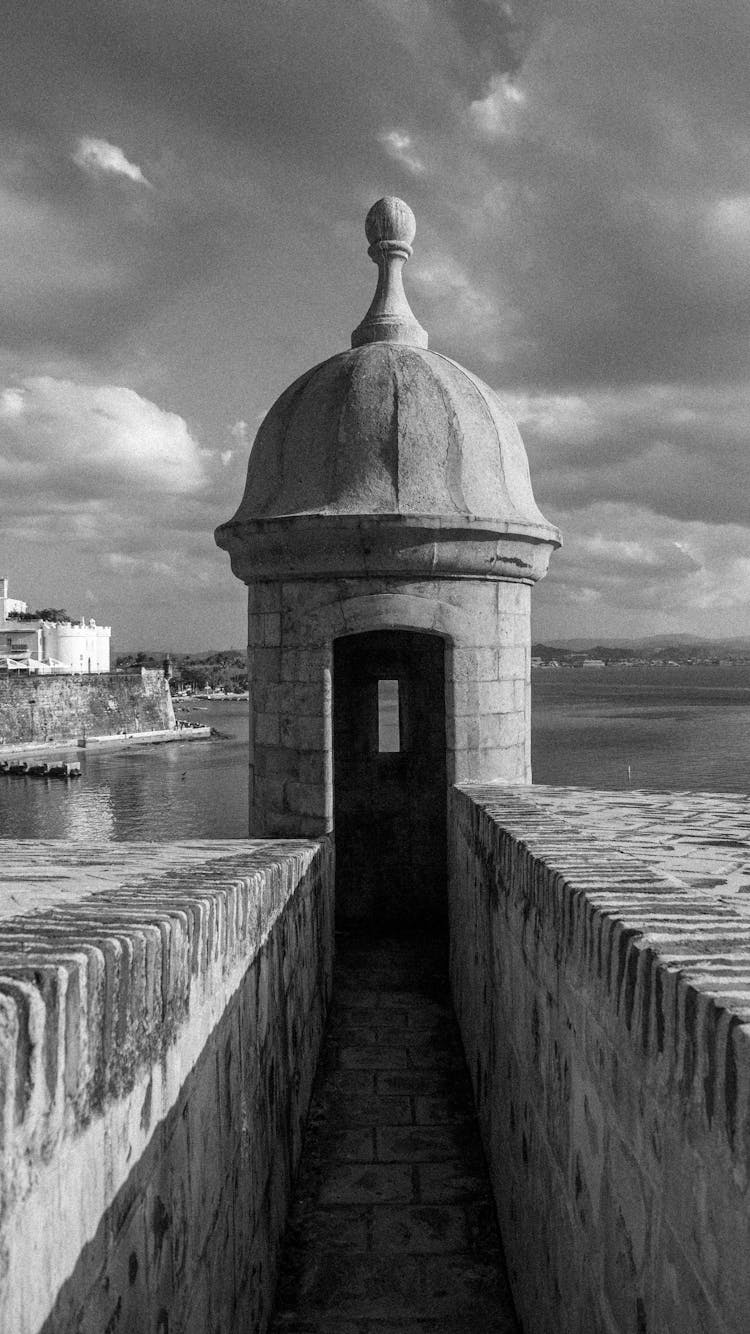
{"x": 393, "y": 1226}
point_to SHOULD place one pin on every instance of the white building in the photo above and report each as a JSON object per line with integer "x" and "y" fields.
{"x": 49, "y": 646}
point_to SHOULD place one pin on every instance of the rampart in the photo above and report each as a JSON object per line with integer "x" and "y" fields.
{"x": 601, "y": 972}
{"x": 161, "y": 1010}
{"x": 61, "y": 708}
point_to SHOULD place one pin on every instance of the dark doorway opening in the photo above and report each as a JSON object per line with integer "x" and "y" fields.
{"x": 390, "y": 781}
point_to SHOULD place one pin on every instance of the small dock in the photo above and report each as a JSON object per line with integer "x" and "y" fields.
{"x": 183, "y": 732}
{"x": 32, "y": 759}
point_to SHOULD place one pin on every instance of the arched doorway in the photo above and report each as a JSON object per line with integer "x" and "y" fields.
{"x": 389, "y": 780}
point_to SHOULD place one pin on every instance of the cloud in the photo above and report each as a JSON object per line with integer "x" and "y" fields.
{"x": 627, "y": 570}
{"x": 102, "y": 158}
{"x": 101, "y": 484}
{"x": 458, "y": 303}
{"x": 499, "y": 112}
{"x": 96, "y": 443}
{"x": 79, "y": 268}
{"x": 581, "y": 179}
{"x": 400, "y": 146}
{"x": 680, "y": 449}
{"x": 239, "y": 432}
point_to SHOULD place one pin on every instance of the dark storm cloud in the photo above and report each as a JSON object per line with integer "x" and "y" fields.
{"x": 580, "y": 172}
{"x": 681, "y": 450}
{"x": 227, "y": 110}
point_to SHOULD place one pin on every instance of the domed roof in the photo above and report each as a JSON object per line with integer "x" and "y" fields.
{"x": 390, "y": 429}
{"x": 388, "y": 434}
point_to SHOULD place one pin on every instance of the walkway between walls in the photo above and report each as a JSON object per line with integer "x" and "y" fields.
{"x": 393, "y": 1225}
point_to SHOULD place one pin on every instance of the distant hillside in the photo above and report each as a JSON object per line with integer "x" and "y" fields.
{"x": 665, "y": 648}
{"x": 647, "y": 641}
{"x": 221, "y": 669}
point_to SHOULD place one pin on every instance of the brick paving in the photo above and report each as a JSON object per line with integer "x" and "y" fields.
{"x": 393, "y": 1226}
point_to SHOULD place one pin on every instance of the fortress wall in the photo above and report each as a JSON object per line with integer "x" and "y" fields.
{"x": 600, "y": 960}
{"x": 161, "y": 1010}
{"x": 56, "y": 708}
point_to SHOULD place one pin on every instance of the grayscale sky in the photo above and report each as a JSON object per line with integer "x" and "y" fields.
{"x": 183, "y": 187}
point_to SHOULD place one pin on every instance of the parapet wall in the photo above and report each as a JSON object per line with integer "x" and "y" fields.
{"x": 61, "y": 708}
{"x": 600, "y": 960}
{"x": 161, "y": 1011}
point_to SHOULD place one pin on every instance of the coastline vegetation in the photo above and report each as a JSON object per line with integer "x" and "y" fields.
{"x": 689, "y": 653}
{"x": 223, "y": 669}
{"x": 226, "y": 669}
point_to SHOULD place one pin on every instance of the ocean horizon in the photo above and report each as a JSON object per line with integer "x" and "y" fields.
{"x": 614, "y": 728}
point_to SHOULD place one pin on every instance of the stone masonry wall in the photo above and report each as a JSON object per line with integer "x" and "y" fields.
{"x": 58, "y": 708}
{"x": 161, "y": 1011}
{"x": 291, "y": 629}
{"x": 605, "y": 1009}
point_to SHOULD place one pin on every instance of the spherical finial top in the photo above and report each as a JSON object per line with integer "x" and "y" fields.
{"x": 390, "y": 227}
{"x": 390, "y": 219}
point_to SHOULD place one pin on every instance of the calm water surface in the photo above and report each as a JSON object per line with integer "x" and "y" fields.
{"x": 186, "y": 789}
{"x": 679, "y": 727}
{"x": 675, "y": 727}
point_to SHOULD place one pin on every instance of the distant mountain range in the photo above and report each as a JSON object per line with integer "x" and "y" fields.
{"x": 652, "y": 643}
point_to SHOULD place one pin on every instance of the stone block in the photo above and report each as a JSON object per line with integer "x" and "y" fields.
{"x": 302, "y": 698}
{"x": 267, "y": 729}
{"x": 512, "y": 664}
{"x": 304, "y": 733}
{"x": 266, "y": 664}
{"x": 306, "y": 799}
{"x": 305, "y": 664}
{"x": 276, "y": 762}
{"x": 502, "y": 730}
{"x": 462, "y": 733}
{"x": 474, "y": 664}
{"x": 512, "y": 596}
{"x": 465, "y": 697}
{"x": 312, "y": 767}
{"x": 498, "y": 697}
{"x": 255, "y": 630}
{"x": 271, "y": 625}
{"x": 264, "y": 597}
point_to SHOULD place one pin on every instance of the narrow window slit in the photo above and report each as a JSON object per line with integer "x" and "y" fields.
{"x": 389, "y": 722}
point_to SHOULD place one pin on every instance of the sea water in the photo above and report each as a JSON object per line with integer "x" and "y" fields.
{"x": 671, "y": 727}
{"x": 182, "y": 789}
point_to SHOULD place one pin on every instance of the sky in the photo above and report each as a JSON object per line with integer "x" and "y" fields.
{"x": 182, "y": 191}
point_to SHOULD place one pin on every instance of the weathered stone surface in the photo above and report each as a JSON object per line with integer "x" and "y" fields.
{"x": 161, "y": 1010}
{"x": 601, "y": 970}
{"x": 486, "y": 629}
{"x": 53, "y": 708}
{"x": 388, "y": 458}
{"x": 393, "y": 1225}
{"x": 387, "y": 490}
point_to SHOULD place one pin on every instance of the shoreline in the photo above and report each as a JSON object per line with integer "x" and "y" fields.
{"x": 28, "y": 749}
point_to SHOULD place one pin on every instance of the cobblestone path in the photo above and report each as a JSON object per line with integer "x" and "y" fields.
{"x": 393, "y": 1227}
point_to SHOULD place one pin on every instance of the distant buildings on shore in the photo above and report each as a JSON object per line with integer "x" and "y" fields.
{"x": 579, "y": 661}
{"x": 41, "y": 643}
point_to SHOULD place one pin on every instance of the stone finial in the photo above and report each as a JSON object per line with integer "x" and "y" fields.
{"x": 390, "y": 226}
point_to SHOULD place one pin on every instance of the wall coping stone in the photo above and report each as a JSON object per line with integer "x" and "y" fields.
{"x": 647, "y": 891}
{"x": 106, "y": 952}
